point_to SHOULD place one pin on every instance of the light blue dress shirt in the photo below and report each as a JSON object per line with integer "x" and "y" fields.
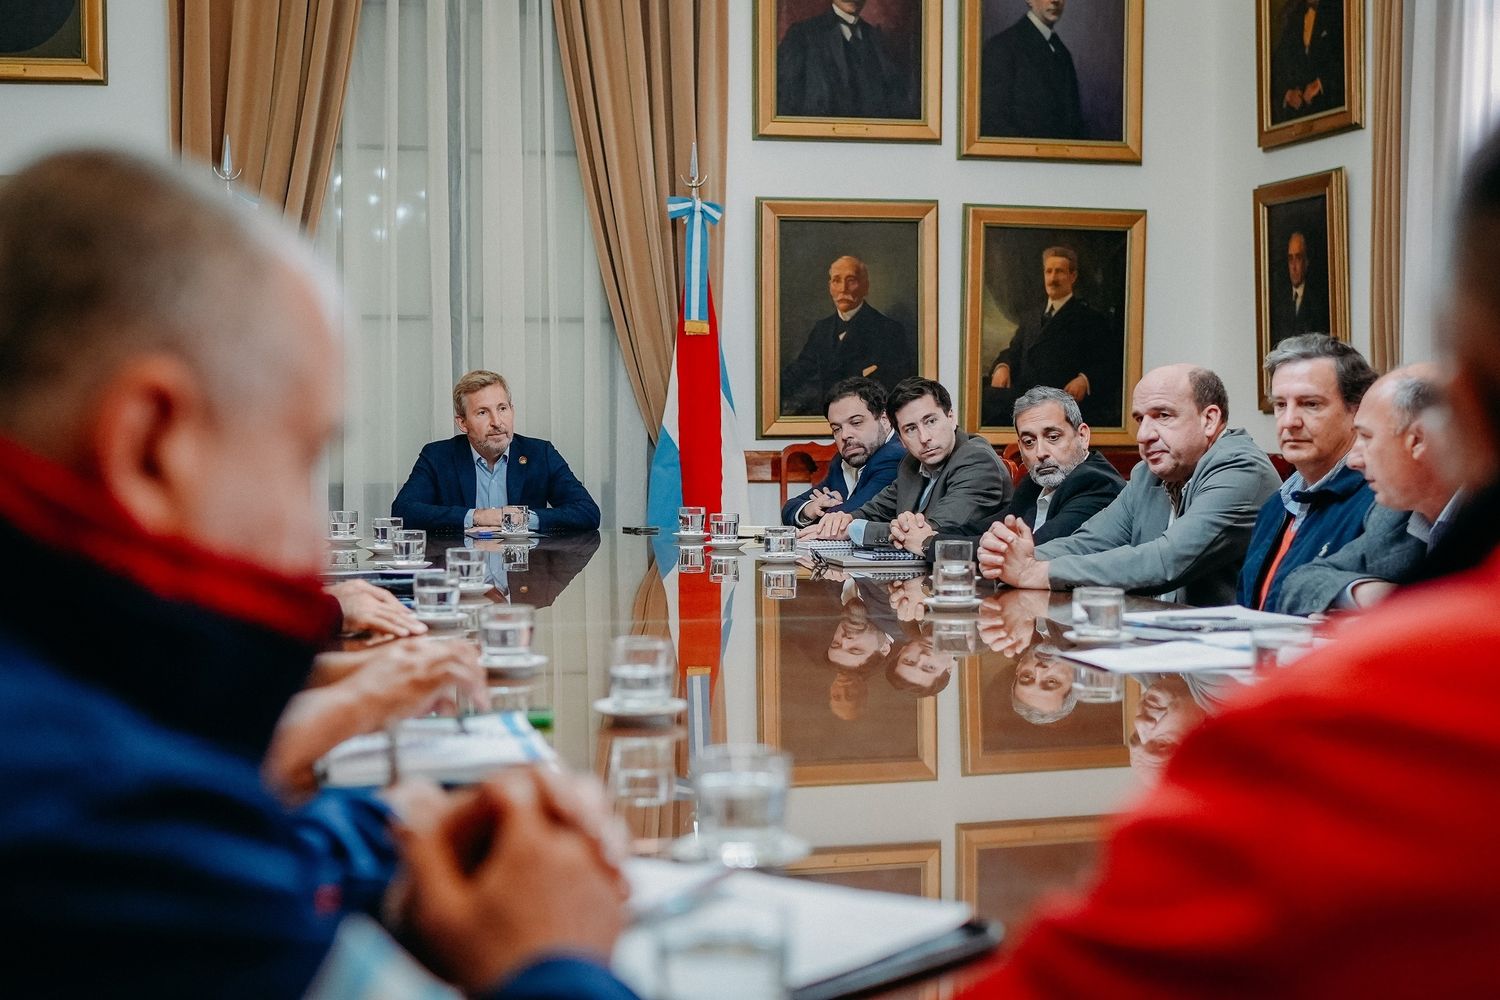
{"x": 490, "y": 489}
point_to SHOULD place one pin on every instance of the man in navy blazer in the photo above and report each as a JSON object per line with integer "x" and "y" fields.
{"x": 469, "y": 479}
{"x": 869, "y": 453}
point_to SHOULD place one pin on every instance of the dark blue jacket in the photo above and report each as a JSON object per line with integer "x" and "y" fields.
{"x": 1335, "y": 517}
{"x": 880, "y": 472}
{"x": 441, "y": 488}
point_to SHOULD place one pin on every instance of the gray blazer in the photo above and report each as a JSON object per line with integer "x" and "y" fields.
{"x": 970, "y": 489}
{"x": 1134, "y": 542}
{"x": 1385, "y": 551}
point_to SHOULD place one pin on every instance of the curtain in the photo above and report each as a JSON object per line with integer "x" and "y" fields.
{"x": 1387, "y": 51}
{"x": 1453, "y": 55}
{"x": 645, "y": 78}
{"x": 270, "y": 74}
{"x": 456, "y": 219}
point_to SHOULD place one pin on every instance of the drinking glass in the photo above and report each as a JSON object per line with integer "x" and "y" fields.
{"x": 741, "y": 791}
{"x": 690, "y": 520}
{"x": 691, "y": 559}
{"x": 779, "y": 583}
{"x": 955, "y": 635}
{"x": 781, "y": 541}
{"x": 343, "y": 524}
{"x": 640, "y": 671}
{"x": 1277, "y": 646}
{"x": 953, "y": 570}
{"x": 724, "y": 527}
{"x": 1098, "y": 612}
{"x": 434, "y": 592}
{"x": 515, "y": 520}
{"x": 381, "y": 528}
{"x": 1098, "y": 687}
{"x": 642, "y": 771}
{"x": 723, "y": 568}
{"x": 409, "y": 545}
{"x": 725, "y": 949}
{"x": 505, "y": 632}
{"x": 466, "y": 567}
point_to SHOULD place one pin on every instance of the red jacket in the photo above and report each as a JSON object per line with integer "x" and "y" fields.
{"x": 1335, "y": 833}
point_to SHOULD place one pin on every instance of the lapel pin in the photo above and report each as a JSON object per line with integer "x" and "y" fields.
{"x": 522, "y": 460}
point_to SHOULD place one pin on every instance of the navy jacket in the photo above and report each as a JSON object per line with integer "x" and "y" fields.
{"x": 879, "y": 472}
{"x": 1089, "y": 488}
{"x": 440, "y": 490}
{"x": 1335, "y": 517}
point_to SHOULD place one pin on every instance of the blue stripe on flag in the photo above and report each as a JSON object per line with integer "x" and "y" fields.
{"x": 664, "y": 493}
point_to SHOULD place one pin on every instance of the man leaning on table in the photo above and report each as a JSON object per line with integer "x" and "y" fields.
{"x": 149, "y": 329}
{"x": 952, "y": 478}
{"x": 1180, "y": 527}
{"x": 869, "y": 453}
{"x": 468, "y": 480}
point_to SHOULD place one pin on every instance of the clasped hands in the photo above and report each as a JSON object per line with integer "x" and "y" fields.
{"x": 493, "y": 517}
{"x": 1007, "y": 553}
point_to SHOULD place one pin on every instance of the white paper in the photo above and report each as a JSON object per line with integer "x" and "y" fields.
{"x": 830, "y": 929}
{"x": 1249, "y": 616}
{"x": 1180, "y": 657}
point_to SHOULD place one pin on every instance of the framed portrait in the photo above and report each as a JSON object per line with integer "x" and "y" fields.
{"x": 1045, "y": 80}
{"x": 908, "y": 869}
{"x": 845, "y": 714}
{"x": 1052, "y": 296}
{"x": 1006, "y": 868}
{"x": 53, "y": 41}
{"x": 1310, "y": 69}
{"x": 849, "y": 69}
{"x": 1301, "y": 263}
{"x": 846, "y": 288}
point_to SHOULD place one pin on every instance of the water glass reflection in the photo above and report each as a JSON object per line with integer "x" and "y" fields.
{"x": 741, "y": 791}
{"x": 505, "y": 632}
{"x": 1093, "y": 686}
{"x": 517, "y": 558}
{"x": 724, "y": 950}
{"x": 691, "y": 559}
{"x": 779, "y": 583}
{"x": 724, "y": 568}
{"x": 642, "y": 770}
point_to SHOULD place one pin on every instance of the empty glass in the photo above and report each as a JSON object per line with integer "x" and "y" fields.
{"x": 1098, "y": 612}
{"x": 515, "y": 520}
{"x": 381, "y": 528}
{"x": 409, "y": 545}
{"x": 466, "y": 568}
{"x": 953, "y": 570}
{"x": 641, "y": 669}
{"x": 779, "y": 583}
{"x": 741, "y": 791}
{"x": 343, "y": 524}
{"x": 642, "y": 771}
{"x": 781, "y": 540}
{"x": 690, "y": 520}
{"x": 724, "y": 527}
{"x": 434, "y": 592}
{"x": 505, "y": 632}
{"x": 725, "y": 949}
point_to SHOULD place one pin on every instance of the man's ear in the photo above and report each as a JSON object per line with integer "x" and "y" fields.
{"x": 1083, "y": 435}
{"x": 147, "y": 440}
{"x": 1213, "y": 418}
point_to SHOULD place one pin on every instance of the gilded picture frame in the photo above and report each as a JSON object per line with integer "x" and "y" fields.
{"x": 74, "y": 53}
{"x": 1309, "y": 69}
{"x": 1005, "y": 867}
{"x": 1005, "y": 300}
{"x": 914, "y": 869}
{"x": 1092, "y": 115}
{"x": 801, "y": 77}
{"x": 1300, "y": 224}
{"x": 804, "y": 343}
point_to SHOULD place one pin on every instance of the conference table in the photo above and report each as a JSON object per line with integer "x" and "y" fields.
{"x": 954, "y": 755}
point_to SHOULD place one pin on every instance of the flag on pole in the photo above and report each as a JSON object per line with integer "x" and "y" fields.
{"x": 699, "y": 460}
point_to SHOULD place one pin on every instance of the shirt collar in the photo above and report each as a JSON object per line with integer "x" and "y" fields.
{"x": 1040, "y": 25}
{"x": 847, "y": 316}
{"x": 1056, "y": 304}
{"x": 847, "y": 18}
{"x": 1295, "y": 483}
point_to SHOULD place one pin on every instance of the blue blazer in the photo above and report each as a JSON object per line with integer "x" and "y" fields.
{"x": 440, "y": 490}
{"x": 1335, "y": 517}
{"x": 880, "y": 472}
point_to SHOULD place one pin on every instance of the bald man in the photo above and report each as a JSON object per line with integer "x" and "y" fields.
{"x": 856, "y": 340}
{"x": 1180, "y": 528}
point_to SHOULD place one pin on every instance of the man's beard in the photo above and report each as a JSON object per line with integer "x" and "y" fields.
{"x": 1051, "y": 475}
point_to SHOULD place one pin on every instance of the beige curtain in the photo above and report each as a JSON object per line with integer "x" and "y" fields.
{"x": 644, "y": 79}
{"x": 272, "y": 75}
{"x": 1386, "y": 238}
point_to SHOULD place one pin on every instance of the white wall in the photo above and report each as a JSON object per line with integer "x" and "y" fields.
{"x": 131, "y": 110}
{"x": 1200, "y": 164}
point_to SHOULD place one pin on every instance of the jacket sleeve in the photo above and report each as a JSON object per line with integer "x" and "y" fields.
{"x": 1213, "y": 530}
{"x": 1385, "y": 551}
{"x": 419, "y": 502}
{"x": 570, "y": 506}
{"x": 789, "y": 511}
{"x": 1097, "y": 494}
{"x": 880, "y": 511}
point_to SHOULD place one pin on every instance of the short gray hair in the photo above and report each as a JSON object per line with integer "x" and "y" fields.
{"x": 1038, "y": 395}
{"x": 1353, "y": 372}
{"x": 1411, "y": 396}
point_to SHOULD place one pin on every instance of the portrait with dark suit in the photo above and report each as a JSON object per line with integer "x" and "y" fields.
{"x": 1310, "y": 66}
{"x": 1042, "y": 77}
{"x": 848, "y": 68}
{"x": 1051, "y": 306}
{"x": 842, "y": 298}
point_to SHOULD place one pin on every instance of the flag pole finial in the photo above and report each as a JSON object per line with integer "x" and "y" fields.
{"x": 695, "y": 181}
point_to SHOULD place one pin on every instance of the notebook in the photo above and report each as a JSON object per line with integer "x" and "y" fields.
{"x": 883, "y": 556}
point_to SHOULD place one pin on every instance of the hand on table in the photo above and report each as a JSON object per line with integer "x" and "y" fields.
{"x": 368, "y": 608}
{"x": 910, "y": 531}
{"x": 833, "y": 526}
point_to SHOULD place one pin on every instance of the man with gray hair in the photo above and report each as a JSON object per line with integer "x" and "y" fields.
{"x": 1397, "y": 450}
{"x": 1316, "y": 387}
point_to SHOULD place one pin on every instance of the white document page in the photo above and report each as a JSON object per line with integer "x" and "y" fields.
{"x": 1165, "y": 658}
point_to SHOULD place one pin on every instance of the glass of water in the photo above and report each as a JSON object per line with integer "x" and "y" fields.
{"x": 779, "y": 583}
{"x": 1098, "y": 687}
{"x": 725, "y": 949}
{"x": 409, "y": 545}
{"x": 466, "y": 567}
{"x": 1098, "y": 612}
{"x": 690, "y": 520}
{"x": 724, "y": 527}
{"x": 381, "y": 528}
{"x": 781, "y": 540}
{"x": 953, "y": 570}
{"x": 1276, "y": 646}
{"x": 741, "y": 790}
{"x": 343, "y": 524}
{"x": 505, "y": 632}
{"x": 434, "y": 592}
{"x": 515, "y": 520}
{"x": 642, "y": 771}
{"x": 640, "y": 671}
